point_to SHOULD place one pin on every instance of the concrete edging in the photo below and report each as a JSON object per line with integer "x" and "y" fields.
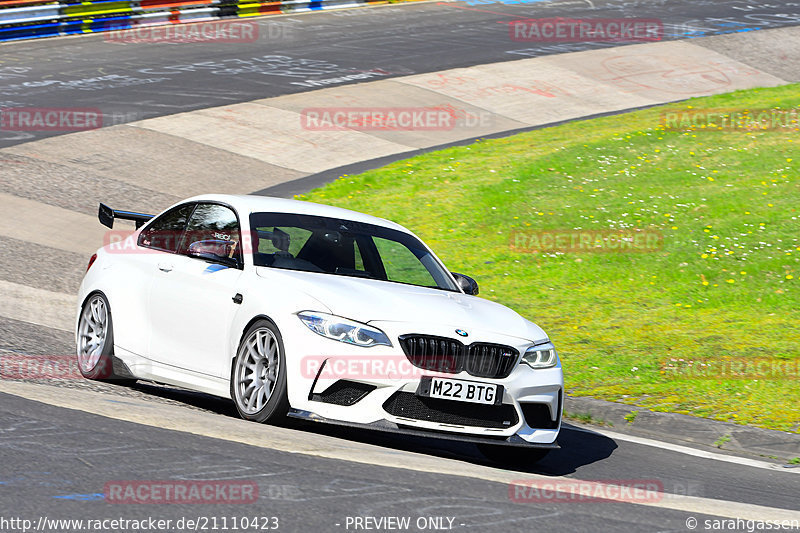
{"x": 671, "y": 427}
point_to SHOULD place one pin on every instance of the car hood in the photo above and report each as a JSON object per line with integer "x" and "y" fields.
{"x": 367, "y": 300}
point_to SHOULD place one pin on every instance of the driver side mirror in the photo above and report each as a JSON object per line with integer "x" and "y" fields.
{"x": 467, "y": 284}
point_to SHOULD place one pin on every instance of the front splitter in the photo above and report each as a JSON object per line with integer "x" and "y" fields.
{"x": 390, "y": 427}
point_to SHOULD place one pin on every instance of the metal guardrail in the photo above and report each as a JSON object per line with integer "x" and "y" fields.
{"x": 30, "y": 19}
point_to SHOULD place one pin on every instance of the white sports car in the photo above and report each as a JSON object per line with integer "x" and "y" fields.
{"x": 297, "y": 309}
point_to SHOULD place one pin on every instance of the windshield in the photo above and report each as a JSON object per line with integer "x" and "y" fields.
{"x": 344, "y": 248}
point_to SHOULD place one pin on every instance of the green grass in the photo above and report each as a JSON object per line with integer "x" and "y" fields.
{"x": 587, "y": 418}
{"x": 722, "y": 441}
{"x": 724, "y": 286}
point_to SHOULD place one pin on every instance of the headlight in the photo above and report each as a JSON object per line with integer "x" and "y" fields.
{"x": 343, "y": 330}
{"x": 541, "y": 356}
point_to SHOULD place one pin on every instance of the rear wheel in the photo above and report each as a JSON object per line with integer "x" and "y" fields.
{"x": 96, "y": 341}
{"x": 512, "y": 455}
{"x": 258, "y": 376}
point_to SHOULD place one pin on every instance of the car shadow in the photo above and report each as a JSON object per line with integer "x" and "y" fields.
{"x": 579, "y": 446}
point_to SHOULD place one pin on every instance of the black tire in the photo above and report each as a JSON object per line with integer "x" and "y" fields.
{"x": 512, "y": 455}
{"x": 260, "y": 356}
{"x": 96, "y": 359}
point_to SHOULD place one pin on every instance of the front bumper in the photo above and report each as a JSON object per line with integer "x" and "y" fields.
{"x": 529, "y": 414}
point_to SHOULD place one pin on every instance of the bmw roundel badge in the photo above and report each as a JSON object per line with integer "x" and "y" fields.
{"x": 462, "y": 332}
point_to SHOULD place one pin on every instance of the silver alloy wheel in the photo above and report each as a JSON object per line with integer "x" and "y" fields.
{"x": 257, "y": 370}
{"x": 92, "y": 332}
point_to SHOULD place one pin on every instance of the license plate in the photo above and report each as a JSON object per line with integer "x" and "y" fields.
{"x": 460, "y": 390}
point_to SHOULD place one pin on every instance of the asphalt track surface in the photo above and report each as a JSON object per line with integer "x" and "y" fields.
{"x": 292, "y": 54}
{"x": 306, "y": 493}
{"x": 55, "y": 462}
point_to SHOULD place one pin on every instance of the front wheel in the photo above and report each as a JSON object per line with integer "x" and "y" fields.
{"x": 258, "y": 376}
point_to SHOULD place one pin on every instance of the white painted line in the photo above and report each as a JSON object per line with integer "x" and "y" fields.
{"x": 47, "y": 225}
{"x": 686, "y": 450}
{"x": 273, "y": 135}
{"x": 178, "y": 418}
{"x": 37, "y": 306}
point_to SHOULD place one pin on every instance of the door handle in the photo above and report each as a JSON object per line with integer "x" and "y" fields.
{"x": 165, "y": 267}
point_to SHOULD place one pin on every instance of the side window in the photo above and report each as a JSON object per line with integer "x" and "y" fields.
{"x": 165, "y": 232}
{"x": 213, "y": 234}
{"x": 359, "y": 260}
{"x": 269, "y": 238}
{"x": 401, "y": 264}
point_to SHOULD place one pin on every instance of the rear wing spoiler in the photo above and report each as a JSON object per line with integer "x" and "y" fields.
{"x": 107, "y": 216}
